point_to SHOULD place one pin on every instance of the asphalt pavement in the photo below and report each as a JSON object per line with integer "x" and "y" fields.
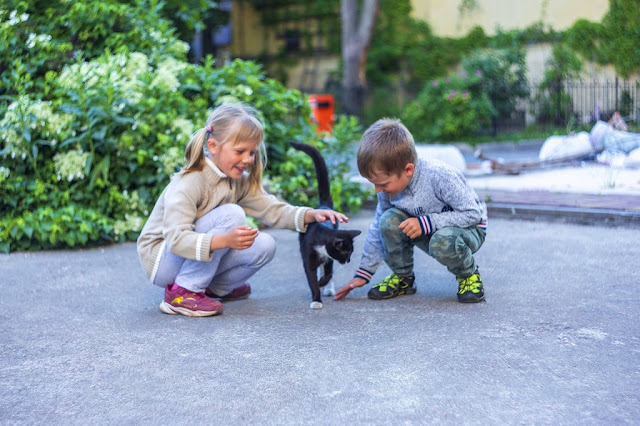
{"x": 556, "y": 342}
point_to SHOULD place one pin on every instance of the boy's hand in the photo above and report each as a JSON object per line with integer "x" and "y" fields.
{"x": 320, "y": 215}
{"x": 411, "y": 228}
{"x": 355, "y": 282}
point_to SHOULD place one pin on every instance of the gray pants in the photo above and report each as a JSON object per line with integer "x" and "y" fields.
{"x": 228, "y": 268}
{"x": 451, "y": 246}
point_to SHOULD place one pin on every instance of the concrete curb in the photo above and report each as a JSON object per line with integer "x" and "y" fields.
{"x": 578, "y": 215}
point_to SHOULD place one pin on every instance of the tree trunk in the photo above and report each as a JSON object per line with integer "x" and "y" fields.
{"x": 356, "y": 38}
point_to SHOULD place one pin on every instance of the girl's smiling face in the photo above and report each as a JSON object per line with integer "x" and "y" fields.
{"x": 233, "y": 158}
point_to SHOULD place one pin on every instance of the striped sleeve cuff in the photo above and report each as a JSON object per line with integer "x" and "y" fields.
{"x": 203, "y": 247}
{"x": 425, "y": 224}
{"x": 365, "y": 275}
{"x": 299, "y": 219}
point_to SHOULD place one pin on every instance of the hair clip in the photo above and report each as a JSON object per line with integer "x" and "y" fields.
{"x": 208, "y": 128}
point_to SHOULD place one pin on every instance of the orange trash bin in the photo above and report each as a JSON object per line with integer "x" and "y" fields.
{"x": 323, "y": 112}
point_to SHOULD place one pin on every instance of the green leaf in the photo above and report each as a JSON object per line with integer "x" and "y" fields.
{"x": 99, "y": 133}
{"x": 88, "y": 163}
{"x": 70, "y": 239}
{"x": 71, "y": 140}
{"x": 28, "y": 231}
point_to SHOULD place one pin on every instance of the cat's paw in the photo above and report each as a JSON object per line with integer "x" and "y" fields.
{"x": 329, "y": 290}
{"x": 316, "y": 305}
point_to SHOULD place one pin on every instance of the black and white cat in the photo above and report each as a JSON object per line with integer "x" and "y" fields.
{"x": 323, "y": 242}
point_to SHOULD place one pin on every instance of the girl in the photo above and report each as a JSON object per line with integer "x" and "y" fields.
{"x": 196, "y": 243}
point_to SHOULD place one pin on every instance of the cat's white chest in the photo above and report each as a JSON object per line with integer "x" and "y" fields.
{"x": 322, "y": 252}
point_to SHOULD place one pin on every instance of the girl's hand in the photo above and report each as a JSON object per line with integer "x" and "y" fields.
{"x": 411, "y": 227}
{"x": 320, "y": 215}
{"x": 239, "y": 238}
{"x": 355, "y": 282}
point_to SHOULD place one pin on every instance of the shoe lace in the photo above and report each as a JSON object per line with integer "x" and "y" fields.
{"x": 405, "y": 282}
{"x": 390, "y": 281}
{"x": 469, "y": 283}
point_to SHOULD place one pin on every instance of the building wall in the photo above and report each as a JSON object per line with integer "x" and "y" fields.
{"x": 251, "y": 39}
{"x": 446, "y": 20}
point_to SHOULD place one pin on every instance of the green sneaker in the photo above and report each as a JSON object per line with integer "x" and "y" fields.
{"x": 393, "y": 286}
{"x": 470, "y": 288}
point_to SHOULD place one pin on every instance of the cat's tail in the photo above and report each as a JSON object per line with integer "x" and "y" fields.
{"x": 322, "y": 173}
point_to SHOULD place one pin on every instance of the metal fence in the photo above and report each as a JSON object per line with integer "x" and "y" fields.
{"x": 567, "y": 103}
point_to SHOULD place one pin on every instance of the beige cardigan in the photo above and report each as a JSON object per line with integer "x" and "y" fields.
{"x": 191, "y": 196}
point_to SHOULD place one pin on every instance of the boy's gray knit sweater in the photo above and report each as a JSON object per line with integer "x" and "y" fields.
{"x": 438, "y": 195}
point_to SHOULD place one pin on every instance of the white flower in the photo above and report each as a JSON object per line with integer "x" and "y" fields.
{"x": 31, "y": 40}
{"x": 165, "y": 79}
{"x": 4, "y": 174}
{"x": 70, "y": 164}
{"x": 171, "y": 160}
{"x": 182, "y": 128}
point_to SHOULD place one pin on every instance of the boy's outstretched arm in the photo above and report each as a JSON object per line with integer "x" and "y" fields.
{"x": 355, "y": 282}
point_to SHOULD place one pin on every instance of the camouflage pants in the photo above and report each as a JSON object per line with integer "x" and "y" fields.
{"x": 451, "y": 246}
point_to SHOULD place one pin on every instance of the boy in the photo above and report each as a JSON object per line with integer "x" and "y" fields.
{"x": 423, "y": 203}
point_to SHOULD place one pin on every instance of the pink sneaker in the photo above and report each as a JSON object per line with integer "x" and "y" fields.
{"x": 241, "y": 292}
{"x": 178, "y": 300}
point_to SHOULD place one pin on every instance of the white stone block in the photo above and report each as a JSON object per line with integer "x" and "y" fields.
{"x": 446, "y": 153}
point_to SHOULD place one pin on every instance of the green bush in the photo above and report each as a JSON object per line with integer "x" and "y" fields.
{"x": 613, "y": 41}
{"x": 86, "y": 148}
{"x": 119, "y": 133}
{"x": 48, "y": 228}
{"x": 297, "y": 178}
{"x": 46, "y": 36}
{"x": 448, "y": 109}
{"x": 552, "y": 102}
{"x": 503, "y": 78}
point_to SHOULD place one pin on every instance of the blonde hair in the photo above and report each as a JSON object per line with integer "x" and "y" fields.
{"x": 229, "y": 123}
{"x": 386, "y": 147}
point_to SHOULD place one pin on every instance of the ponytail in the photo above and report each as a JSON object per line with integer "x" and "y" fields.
{"x": 194, "y": 152}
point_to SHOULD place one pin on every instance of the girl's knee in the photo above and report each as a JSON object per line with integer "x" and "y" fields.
{"x": 224, "y": 217}
{"x": 234, "y": 212}
{"x": 266, "y": 247}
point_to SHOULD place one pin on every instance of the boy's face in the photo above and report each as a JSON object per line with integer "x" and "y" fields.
{"x": 392, "y": 184}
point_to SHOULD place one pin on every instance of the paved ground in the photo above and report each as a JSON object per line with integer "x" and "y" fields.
{"x": 557, "y": 342}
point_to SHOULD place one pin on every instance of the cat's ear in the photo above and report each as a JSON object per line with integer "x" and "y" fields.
{"x": 350, "y": 234}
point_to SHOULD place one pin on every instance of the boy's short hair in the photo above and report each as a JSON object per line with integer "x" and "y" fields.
{"x": 386, "y": 147}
